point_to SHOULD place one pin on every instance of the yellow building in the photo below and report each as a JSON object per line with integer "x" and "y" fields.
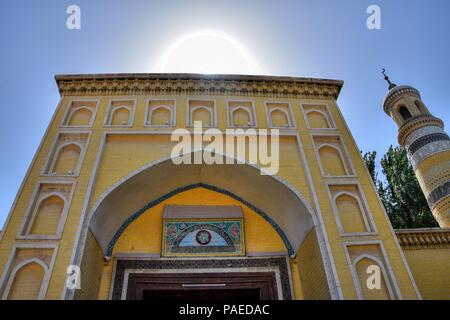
{"x": 103, "y": 193}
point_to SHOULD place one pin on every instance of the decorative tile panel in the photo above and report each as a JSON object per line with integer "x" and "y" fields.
{"x": 203, "y": 237}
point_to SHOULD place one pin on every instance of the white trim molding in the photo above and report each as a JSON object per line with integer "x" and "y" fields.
{"x": 275, "y": 270}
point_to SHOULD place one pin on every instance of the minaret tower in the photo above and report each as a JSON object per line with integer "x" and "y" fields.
{"x": 427, "y": 144}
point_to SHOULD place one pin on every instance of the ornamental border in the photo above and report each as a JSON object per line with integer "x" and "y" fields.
{"x": 278, "y": 87}
{"x": 158, "y": 264}
{"x": 433, "y": 238}
{"x": 429, "y": 138}
{"x": 415, "y": 123}
{"x": 438, "y": 194}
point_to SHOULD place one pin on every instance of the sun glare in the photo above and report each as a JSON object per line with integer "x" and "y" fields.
{"x": 207, "y": 52}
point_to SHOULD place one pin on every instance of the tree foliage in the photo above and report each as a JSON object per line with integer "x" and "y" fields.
{"x": 400, "y": 193}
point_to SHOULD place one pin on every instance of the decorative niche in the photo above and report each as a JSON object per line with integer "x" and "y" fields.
{"x": 47, "y": 211}
{"x": 80, "y": 114}
{"x": 332, "y": 156}
{"x": 203, "y": 111}
{"x": 279, "y": 115}
{"x": 27, "y": 273}
{"x": 241, "y": 114}
{"x": 120, "y": 113}
{"x": 318, "y": 117}
{"x": 351, "y": 210}
{"x": 67, "y": 154}
{"x": 363, "y": 255}
{"x": 160, "y": 113}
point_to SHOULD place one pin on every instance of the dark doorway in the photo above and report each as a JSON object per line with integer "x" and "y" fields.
{"x": 203, "y": 286}
{"x": 202, "y": 294}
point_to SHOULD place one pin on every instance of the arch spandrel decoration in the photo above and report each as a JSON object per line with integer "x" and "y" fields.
{"x": 291, "y": 216}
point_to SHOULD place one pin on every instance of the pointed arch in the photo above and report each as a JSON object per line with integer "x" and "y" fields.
{"x": 360, "y": 274}
{"x": 66, "y": 158}
{"x": 151, "y": 204}
{"x": 242, "y": 117}
{"x": 203, "y": 114}
{"x": 160, "y": 115}
{"x": 317, "y": 119}
{"x": 120, "y": 116}
{"x": 281, "y": 118}
{"x": 26, "y": 280}
{"x": 351, "y": 213}
{"x": 404, "y": 112}
{"x": 47, "y": 215}
{"x": 332, "y": 160}
{"x": 80, "y": 116}
{"x": 292, "y": 213}
{"x": 237, "y": 179}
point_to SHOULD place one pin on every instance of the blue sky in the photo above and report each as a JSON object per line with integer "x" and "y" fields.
{"x": 321, "y": 38}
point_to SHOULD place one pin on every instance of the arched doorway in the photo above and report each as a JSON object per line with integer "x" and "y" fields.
{"x": 281, "y": 206}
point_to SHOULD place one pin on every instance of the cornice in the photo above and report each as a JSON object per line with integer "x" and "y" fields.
{"x": 423, "y": 238}
{"x": 197, "y": 84}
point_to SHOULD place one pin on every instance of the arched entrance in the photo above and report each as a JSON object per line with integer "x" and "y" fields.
{"x": 283, "y": 207}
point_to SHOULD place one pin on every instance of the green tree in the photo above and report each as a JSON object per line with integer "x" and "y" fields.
{"x": 369, "y": 158}
{"x": 401, "y": 194}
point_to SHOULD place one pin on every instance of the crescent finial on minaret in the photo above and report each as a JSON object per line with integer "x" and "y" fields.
{"x": 391, "y": 85}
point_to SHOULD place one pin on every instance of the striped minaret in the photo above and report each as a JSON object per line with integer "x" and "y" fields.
{"x": 427, "y": 144}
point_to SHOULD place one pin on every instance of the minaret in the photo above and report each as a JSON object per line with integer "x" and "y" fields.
{"x": 427, "y": 144}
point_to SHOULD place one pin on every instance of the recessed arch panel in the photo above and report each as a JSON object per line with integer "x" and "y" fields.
{"x": 332, "y": 162}
{"x": 80, "y": 117}
{"x": 279, "y": 203}
{"x": 120, "y": 116}
{"x": 67, "y": 157}
{"x": 279, "y": 118}
{"x": 317, "y": 120}
{"x": 160, "y": 116}
{"x": 25, "y": 281}
{"x": 241, "y": 117}
{"x": 48, "y": 215}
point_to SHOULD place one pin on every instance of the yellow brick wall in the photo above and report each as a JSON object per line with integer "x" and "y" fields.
{"x": 91, "y": 270}
{"x": 431, "y": 270}
{"x": 309, "y": 265}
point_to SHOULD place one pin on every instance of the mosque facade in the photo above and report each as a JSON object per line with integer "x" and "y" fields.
{"x": 104, "y": 211}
